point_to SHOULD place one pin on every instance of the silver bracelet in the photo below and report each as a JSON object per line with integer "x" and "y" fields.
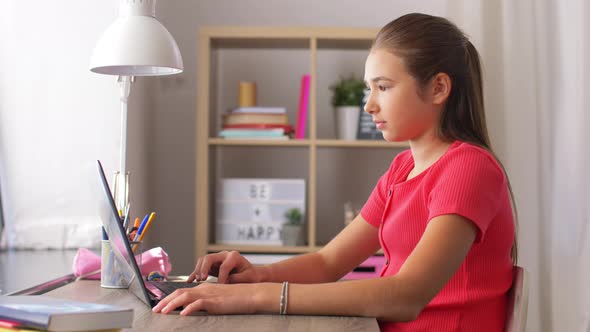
{"x": 284, "y": 298}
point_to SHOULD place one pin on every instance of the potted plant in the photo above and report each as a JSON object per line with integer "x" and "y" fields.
{"x": 347, "y": 97}
{"x": 292, "y": 232}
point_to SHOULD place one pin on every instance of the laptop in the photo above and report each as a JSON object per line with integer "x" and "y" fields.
{"x": 149, "y": 292}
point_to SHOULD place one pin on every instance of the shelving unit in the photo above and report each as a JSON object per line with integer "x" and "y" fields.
{"x": 224, "y": 53}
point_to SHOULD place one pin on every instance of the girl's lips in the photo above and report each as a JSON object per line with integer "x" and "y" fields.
{"x": 380, "y": 124}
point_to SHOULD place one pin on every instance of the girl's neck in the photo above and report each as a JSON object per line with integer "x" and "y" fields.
{"x": 426, "y": 151}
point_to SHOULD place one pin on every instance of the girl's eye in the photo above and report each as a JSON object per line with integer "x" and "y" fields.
{"x": 383, "y": 88}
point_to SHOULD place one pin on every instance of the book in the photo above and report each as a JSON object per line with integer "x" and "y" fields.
{"x": 260, "y": 109}
{"x": 17, "y": 329}
{"x": 9, "y": 326}
{"x": 254, "y": 118}
{"x": 303, "y": 106}
{"x": 230, "y": 133}
{"x": 366, "y": 128}
{"x": 287, "y": 128}
{"x": 284, "y": 137}
{"x": 60, "y": 315}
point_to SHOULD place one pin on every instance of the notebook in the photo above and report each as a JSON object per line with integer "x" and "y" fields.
{"x": 53, "y": 314}
{"x": 147, "y": 291}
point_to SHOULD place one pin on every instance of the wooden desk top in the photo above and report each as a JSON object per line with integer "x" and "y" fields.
{"x": 146, "y": 320}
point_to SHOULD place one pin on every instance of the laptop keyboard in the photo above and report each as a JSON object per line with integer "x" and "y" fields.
{"x": 170, "y": 287}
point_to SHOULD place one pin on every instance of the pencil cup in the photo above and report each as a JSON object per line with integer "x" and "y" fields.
{"x": 115, "y": 270}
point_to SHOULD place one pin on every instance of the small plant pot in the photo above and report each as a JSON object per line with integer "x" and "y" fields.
{"x": 292, "y": 235}
{"x": 347, "y": 120}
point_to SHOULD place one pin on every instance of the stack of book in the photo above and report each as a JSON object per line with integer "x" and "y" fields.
{"x": 256, "y": 123}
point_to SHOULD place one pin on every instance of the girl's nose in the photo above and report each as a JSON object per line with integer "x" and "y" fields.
{"x": 371, "y": 106}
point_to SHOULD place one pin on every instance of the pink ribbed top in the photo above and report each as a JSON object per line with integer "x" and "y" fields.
{"x": 468, "y": 181}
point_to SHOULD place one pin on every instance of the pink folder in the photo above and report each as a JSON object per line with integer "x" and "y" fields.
{"x": 303, "y": 106}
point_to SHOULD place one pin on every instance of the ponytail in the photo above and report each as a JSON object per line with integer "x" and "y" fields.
{"x": 474, "y": 100}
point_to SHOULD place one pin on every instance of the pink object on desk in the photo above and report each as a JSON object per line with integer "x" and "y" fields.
{"x": 371, "y": 268}
{"x": 155, "y": 259}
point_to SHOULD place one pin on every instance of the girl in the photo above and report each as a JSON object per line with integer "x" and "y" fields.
{"x": 442, "y": 213}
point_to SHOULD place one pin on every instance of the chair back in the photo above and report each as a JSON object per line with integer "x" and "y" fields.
{"x": 518, "y": 301}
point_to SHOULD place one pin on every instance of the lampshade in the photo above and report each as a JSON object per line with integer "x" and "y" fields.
{"x": 136, "y": 44}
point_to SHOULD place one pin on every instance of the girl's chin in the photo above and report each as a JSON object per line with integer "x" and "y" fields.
{"x": 391, "y": 138}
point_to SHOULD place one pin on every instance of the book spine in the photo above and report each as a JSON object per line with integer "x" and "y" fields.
{"x": 303, "y": 106}
{"x": 252, "y": 133}
{"x": 25, "y": 319}
{"x": 254, "y": 118}
{"x": 260, "y": 110}
{"x": 258, "y": 126}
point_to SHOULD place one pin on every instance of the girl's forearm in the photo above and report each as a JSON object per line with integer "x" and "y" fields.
{"x": 303, "y": 269}
{"x": 331, "y": 262}
{"x": 382, "y": 298}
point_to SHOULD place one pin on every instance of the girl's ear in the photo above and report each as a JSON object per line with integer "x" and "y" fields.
{"x": 441, "y": 88}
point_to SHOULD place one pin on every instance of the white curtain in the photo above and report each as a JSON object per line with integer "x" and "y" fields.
{"x": 536, "y": 65}
{"x": 536, "y": 54}
{"x": 563, "y": 103}
{"x": 56, "y": 119}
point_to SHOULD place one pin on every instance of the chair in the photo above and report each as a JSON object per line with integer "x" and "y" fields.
{"x": 518, "y": 301}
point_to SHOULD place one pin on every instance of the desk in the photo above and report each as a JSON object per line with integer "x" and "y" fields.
{"x": 22, "y": 269}
{"x": 145, "y": 320}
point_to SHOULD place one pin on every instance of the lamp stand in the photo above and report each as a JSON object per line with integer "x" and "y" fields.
{"x": 121, "y": 183}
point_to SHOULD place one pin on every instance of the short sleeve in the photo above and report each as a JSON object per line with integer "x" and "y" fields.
{"x": 470, "y": 183}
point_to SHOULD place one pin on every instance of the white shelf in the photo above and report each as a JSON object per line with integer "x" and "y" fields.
{"x": 260, "y": 248}
{"x": 306, "y": 142}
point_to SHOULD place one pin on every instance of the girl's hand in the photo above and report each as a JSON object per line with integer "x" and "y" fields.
{"x": 228, "y": 267}
{"x": 212, "y": 298}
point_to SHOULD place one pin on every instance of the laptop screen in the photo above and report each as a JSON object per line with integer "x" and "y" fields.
{"x": 119, "y": 243}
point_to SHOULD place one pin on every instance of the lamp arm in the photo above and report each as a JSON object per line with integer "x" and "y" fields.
{"x": 125, "y": 90}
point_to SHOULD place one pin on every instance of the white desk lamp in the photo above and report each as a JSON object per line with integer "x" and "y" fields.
{"x": 136, "y": 44}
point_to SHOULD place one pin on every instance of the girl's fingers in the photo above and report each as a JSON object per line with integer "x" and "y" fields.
{"x": 230, "y": 263}
{"x": 194, "y": 275}
{"x": 208, "y": 262}
{"x": 179, "y": 298}
{"x": 192, "y": 307}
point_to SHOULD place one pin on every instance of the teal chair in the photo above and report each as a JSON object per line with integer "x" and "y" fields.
{"x": 518, "y": 301}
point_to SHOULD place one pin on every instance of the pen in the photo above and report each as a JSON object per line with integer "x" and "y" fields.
{"x": 149, "y": 222}
{"x": 141, "y": 226}
{"x": 133, "y": 230}
{"x": 139, "y": 236}
{"x": 126, "y": 219}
